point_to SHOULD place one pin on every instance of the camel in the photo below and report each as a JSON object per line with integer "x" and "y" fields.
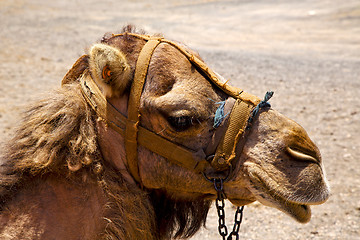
{"x": 71, "y": 172}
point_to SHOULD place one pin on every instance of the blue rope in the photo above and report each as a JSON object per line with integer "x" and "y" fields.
{"x": 219, "y": 114}
{"x": 264, "y": 103}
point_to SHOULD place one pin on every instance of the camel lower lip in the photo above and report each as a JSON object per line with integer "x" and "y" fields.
{"x": 300, "y": 212}
{"x": 270, "y": 197}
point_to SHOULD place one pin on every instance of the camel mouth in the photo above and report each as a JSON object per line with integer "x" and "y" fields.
{"x": 300, "y": 212}
{"x": 268, "y": 192}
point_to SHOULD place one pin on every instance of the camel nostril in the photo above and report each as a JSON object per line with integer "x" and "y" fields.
{"x": 301, "y": 156}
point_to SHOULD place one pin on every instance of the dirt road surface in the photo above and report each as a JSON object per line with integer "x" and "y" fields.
{"x": 308, "y": 52}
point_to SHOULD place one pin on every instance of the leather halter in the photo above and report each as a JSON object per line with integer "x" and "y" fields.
{"x": 227, "y": 148}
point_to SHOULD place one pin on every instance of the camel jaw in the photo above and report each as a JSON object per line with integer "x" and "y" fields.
{"x": 269, "y": 193}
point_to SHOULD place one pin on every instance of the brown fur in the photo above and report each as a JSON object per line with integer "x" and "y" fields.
{"x": 58, "y": 137}
{"x": 55, "y": 134}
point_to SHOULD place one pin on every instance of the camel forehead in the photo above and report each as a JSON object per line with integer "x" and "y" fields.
{"x": 174, "y": 82}
{"x": 170, "y": 68}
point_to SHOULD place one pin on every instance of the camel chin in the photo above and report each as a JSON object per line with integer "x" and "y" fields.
{"x": 273, "y": 194}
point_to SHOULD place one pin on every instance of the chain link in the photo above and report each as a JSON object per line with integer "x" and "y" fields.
{"x": 220, "y": 207}
{"x": 238, "y": 220}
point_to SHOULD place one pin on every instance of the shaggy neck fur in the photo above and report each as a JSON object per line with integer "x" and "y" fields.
{"x": 58, "y": 137}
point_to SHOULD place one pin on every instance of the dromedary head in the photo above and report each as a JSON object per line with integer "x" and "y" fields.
{"x": 279, "y": 165}
{"x": 274, "y": 160}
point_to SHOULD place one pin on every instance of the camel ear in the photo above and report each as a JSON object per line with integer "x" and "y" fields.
{"x": 109, "y": 69}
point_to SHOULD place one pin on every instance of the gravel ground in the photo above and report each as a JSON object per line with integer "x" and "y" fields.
{"x": 308, "y": 52}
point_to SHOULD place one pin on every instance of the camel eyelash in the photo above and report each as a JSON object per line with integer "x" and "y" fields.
{"x": 182, "y": 123}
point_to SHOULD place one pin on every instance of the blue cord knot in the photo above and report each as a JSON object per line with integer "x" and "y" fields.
{"x": 264, "y": 103}
{"x": 219, "y": 114}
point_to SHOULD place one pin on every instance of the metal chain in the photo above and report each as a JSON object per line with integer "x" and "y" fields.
{"x": 220, "y": 207}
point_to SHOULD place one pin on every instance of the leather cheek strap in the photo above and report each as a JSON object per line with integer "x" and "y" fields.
{"x": 221, "y": 129}
{"x": 229, "y": 148}
{"x": 132, "y": 123}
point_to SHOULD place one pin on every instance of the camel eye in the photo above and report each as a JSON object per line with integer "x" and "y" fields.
{"x": 181, "y": 123}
